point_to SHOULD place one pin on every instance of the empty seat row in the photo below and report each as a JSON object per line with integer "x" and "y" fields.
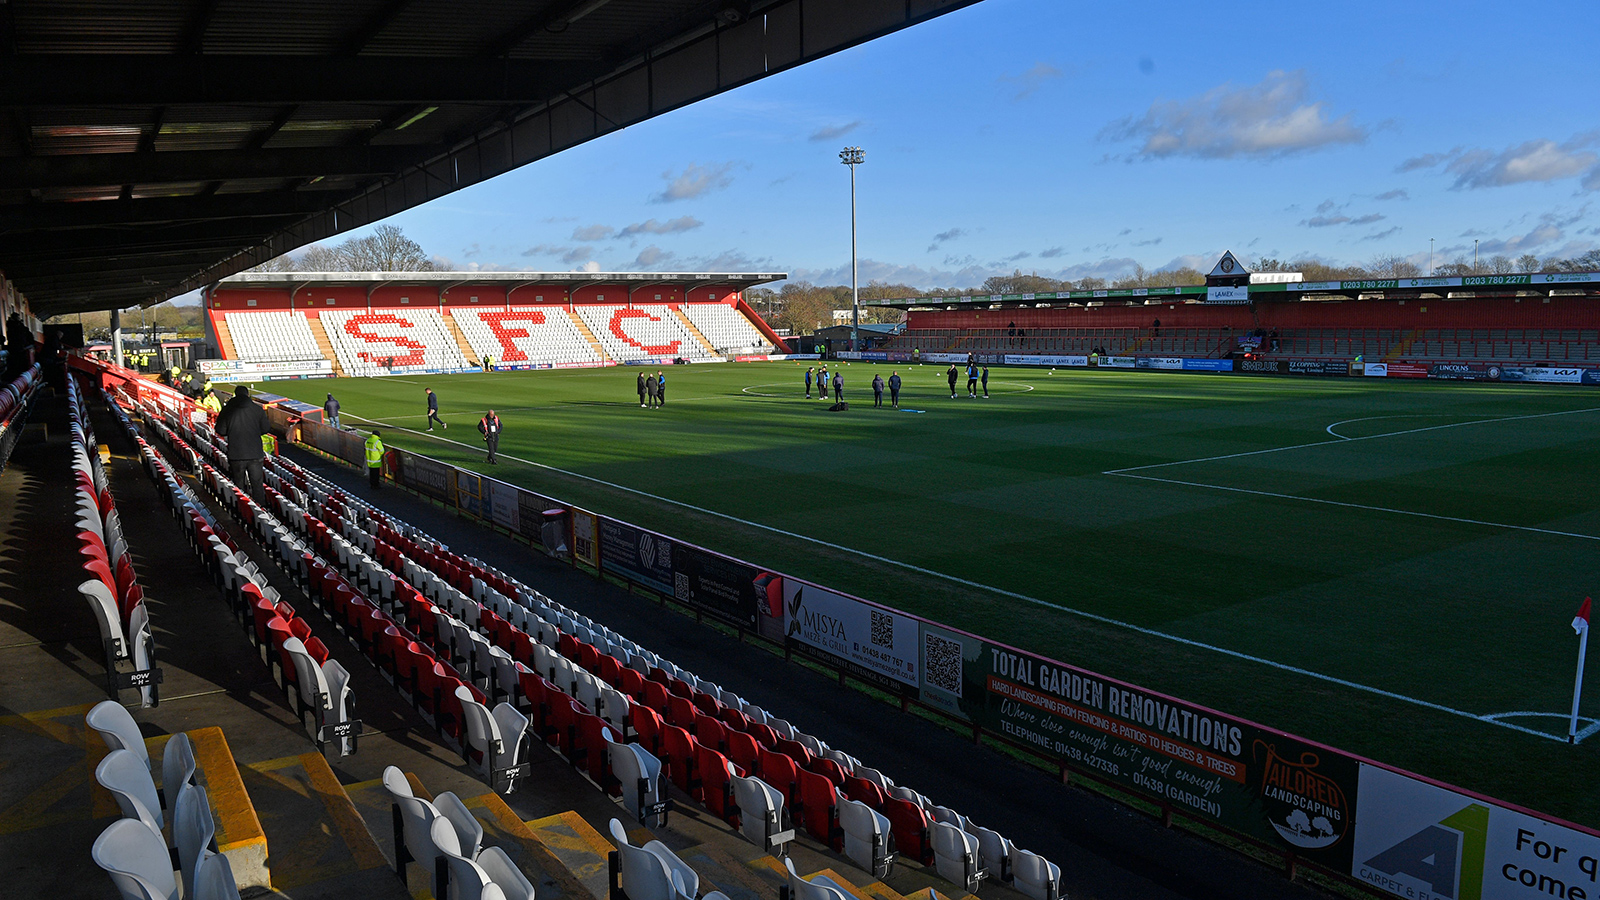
{"x": 316, "y": 686}
{"x": 15, "y": 398}
{"x": 112, "y": 589}
{"x": 271, "y": 336}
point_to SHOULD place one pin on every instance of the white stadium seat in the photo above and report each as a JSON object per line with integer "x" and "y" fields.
{"x": 269, "y": 336}
{"x": 543, "y": 336}
{"x": 726, "y": 328}
{"x": 417, "y": 339}
{"x": 640, "y": 331}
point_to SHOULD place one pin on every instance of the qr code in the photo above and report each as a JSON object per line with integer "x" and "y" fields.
{"x": 882, "y": 629}
{"x": 941, "y": 663}
{"x": 680, "y": 584}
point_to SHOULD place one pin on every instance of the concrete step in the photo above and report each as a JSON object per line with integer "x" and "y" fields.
{"x": 319, "y": 843}
{"x": 581, "y": 850}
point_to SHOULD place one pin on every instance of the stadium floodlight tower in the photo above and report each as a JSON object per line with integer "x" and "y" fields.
{"x": 852, "y": 157}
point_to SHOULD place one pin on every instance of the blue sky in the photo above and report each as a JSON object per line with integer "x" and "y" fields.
{"x": 1078, "y": 139}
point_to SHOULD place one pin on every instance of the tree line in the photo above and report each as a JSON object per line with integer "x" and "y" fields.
{"x": 386, "y": 249}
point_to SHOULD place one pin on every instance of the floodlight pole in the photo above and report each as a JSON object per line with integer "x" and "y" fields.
{"x": 852, "y": 157}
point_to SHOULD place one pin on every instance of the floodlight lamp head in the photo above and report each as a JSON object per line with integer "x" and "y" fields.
{"x": 852, "y": 156}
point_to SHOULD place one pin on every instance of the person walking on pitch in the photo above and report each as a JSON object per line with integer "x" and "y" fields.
{"x": 877, "y": 390}
{"x": 894, "y": 389}
{"x": 808, "y": 382}
{"x": 838, "y": 387}
{"x": 985, "y": 382}
{"x": 433, "y": 410}
{"x": 489, "y": 427}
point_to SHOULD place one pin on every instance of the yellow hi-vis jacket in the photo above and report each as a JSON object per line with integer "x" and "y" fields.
{"x": 374, "y": 452}
{"x": 269, "y": 444}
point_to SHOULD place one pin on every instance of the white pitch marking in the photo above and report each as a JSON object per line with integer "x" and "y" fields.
{"x": 1093, "y": 617}
{"x": 1330, "y": 428}
{"x": 1382, "y": 509}
{"x": 1588, "y": 730}
{"x": 1368, "y": 437}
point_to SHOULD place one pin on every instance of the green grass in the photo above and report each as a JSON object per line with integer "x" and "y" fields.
{"x": 1010, "y": 494}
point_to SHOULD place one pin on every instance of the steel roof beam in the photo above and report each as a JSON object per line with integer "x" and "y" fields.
{"x": 87, "y": 169}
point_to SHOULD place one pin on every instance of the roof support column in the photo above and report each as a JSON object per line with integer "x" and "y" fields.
{"x": 116, "y": 336}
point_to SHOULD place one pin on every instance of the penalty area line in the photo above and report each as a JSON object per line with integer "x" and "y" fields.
{"x": 1363, "y": 506}
{"x": 1093, "y": 617}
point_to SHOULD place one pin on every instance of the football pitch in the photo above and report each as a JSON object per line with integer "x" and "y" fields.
{"x": 1386, "y": 566}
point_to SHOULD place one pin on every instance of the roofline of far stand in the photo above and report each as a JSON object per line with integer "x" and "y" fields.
{"x": 300, "y": 279}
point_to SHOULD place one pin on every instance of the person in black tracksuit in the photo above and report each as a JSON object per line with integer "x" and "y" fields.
{"x": 877, "y": 390}
{"x": 894, "y": 389}
{"x": 433, "y": 410}
{"x": 951, "y": 377}
{"x": 985, "y": 382}
{"x": 641, "y": 390}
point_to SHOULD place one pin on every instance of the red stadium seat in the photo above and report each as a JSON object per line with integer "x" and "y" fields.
{"x": 817, "y": 810}
{"x": 743, "y": 750}
{"x": 711, "y": 732}
{"x": 909, "y": 825}
{"x": 796, "y": 751}
{"x": 647, "y": 727}
{"x": 863, "y": 791}
{"x": 780, "y": 772}
{"x": 680, "y": 712}
{"x": 715, "y": 787}
{"x": 828, "y": 769}
{"x": 678, "y": 752}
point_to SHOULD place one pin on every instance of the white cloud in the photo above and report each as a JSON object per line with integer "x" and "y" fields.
{"x": 590, "y": 266}
{"x": 694, "y": 181}
{"x": 1051, "y": 253}
{"x": 1396, "y": 194}
{"x": 1540, "y": 160}
{"x": 960, "y": 273}
{"x": 1034, "y": 78}
{"x": 651, "y": 256}
{"x": 834, "y": 132}
{"x": 1269, "y": 119}
{"x": 1381, "y": 235}
{"x": 670, "y": 226}
{"x": 592, "y": 233}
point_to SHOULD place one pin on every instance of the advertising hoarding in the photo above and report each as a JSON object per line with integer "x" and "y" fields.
{"x": 876, "y": 644}
{"x": 640, "y": 556}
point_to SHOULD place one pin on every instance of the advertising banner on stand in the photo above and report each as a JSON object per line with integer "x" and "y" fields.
{"x": 1542, "y": 374}
{"x": 585, "y": 546}
{"x": 530, "y": 514}
{"x": 1318, "y": 367}
{"x": 716, "y": 585}
{"x": 469, "y": 492}
{"x": 640, "y": 556}
{"x": 1012, "y": 359}
{"x": 1203, "y": 763}
{"x": 874, "y": 644}
{"x": 1407, "y": 370}
{"x": 1374, "y": 370}
{"x": 1267, "y": 366}
{"x": 426, "y": 476}
{"x": 1208, "y": 365}
{"x": 945, "y": 656}
{"x": 1116, "y": 362}
{"x": 1464, "y": 372}
{"x": 1159, "y": 362}
{"x": 501, "y": 504}
{"x": 1414, "y": 839}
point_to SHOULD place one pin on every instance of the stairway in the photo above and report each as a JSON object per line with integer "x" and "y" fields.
{"x": 693, "y": 331}
{"x": 224, "y": 338}
{"x": 599, "y": 351}
{"x": 324, "y": 346}
{"x": 462, "y": 343}
{"x": 1403, "y": 347}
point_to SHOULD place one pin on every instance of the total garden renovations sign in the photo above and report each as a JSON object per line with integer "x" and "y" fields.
{"x": 1205, "y": 764}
